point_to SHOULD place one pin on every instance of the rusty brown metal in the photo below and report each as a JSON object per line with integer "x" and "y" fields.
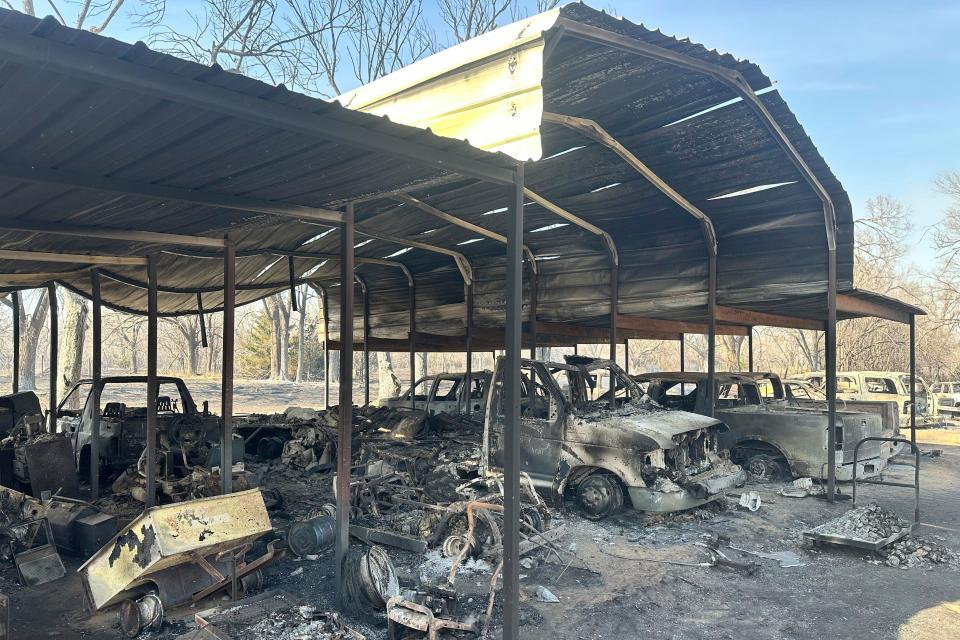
{"x": 345, "y": 431}
{"x": 54, "y": 353}
{"x": 229, "y": 341}
{"x": 15, "y": 365}
{"x": 152, "y": 386}
{"x": 97, "y": 370}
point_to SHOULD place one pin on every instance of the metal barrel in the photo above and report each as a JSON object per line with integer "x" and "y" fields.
{"x": 312, "y": 536}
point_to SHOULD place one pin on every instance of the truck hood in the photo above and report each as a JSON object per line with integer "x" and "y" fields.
{"x": 637, "y": 428}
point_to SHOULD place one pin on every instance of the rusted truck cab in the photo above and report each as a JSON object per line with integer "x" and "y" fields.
{"x": 123, "y": 418}
{"x": 771, "y": 435}
{"x": 576, "y": 443}
{"x": 445, "y": 393}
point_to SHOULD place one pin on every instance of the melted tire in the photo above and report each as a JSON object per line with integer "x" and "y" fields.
{"x": 599, "y": 496}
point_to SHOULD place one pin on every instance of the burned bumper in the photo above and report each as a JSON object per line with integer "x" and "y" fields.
{"x": 699, "y": 491}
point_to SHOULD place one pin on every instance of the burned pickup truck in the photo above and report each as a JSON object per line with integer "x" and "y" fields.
{"x": 771, "y": 434}
{"x": 186, "y": 437}
{"x": 445, "y": 393}
{"x": 578, "y": 442}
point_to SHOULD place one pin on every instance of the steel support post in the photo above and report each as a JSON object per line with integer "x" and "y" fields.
{"x": 712, "y": 329}
{"x": 366, "y": 343}
{"x": 534, "y": 294}
{"x": 683, "y": 349}
{"x": 345, "y": 434}
{"x": 15, "y": 373}
{"x": 626, "y": 356}
{"x": 913, "y": 379}
{"x": 152, "y": 389}
{"x": 97, "y": 367}
{"x": 229, "y": 335}
{"x": 511, "y": 391}
{"x": 293, "y": 284}
{"x": 412, "y": 294}
{"x": 469, "y": 346}
{"x": 54, "y": 354}
{"x": 326, "y": 347}
{"x": 202, "y": 321}
{"x": 614, "y": 297}
{"x": 830, "y": 348}
{"x": 750, "y": 351}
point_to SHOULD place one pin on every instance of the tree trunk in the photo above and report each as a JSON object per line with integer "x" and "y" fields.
{"x": 72, "y": 340}
{"x": 423, "y": 358}
{"x": 301, "y": 337}
{"x": 389, "y": 383}
{"x": 29, "y": 341}
{"x": 284, "y": 327}
{"x": 334, "y": 372}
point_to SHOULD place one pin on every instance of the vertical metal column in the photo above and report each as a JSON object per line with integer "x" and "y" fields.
{"x": 626, "y": 356}
{"x": 750, "y": 350}
{"x": 202, "y": 321}
{"x": 534, "y": 294}
{"x": 152, "y": 390}
{"x": 683, "y": 345}
{"x": 97, "y": 366}
{"x": 54, "y": 354}
{"x": 831, "y": 373}
{"x": 511, "y": 391}
{"x": 345, "y": 434}
{"x": 712, "y": 329}
{"x": 614, "y": 297}
{"x": 913, "y": 379}
{"x": 469, "y": 381}
{"x": 412, "y": 293}
{"x": 229, "y": 329}
{"x": 15, "y": 374}
{"x": 366, "y": 342}
{"x": 326, "y": 347}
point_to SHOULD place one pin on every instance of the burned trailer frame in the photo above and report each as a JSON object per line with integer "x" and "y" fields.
{"x": 609, "y": 448}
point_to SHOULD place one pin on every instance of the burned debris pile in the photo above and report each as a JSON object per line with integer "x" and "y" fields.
{"x": 916, "y": 552}
{"x": 871, "y": 523}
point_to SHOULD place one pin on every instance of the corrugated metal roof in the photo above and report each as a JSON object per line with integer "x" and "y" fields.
{"x": 772, "y": 246}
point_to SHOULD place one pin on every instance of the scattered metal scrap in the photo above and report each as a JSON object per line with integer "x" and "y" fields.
{"x": 23, "y": 522}
{"x": 869, "y": 527}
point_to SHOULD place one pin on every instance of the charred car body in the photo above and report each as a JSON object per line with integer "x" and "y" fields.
{"x": 185, "y": 435}
{"x": 575, "y": 442}
{"x": 770, "y": 434}
{"x": 445, "y": 393}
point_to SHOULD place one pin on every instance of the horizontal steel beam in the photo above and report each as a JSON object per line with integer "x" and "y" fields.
{"x": 174, "y": 194}
{"x": 675, "y": 326}
{"x": 328, "y": 123}
{"x": 463, "y": 264}
{"x": 868, "y": 308}
{"x": 75, "y": 258}
{"x": 38, "y": 278}
{"x": 107, "y": 233}
{"x": 746, "y": 318}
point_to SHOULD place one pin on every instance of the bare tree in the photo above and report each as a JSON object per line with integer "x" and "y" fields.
{"x": 97, "y": 16}
{"x": 72, "y": 338}
{"x": 385, "y": 36}
{"x": 30, "y": 328}
{"x": 470, "y": 18}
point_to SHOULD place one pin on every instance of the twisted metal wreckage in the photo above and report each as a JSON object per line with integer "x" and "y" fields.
{"x": 654, "y": 188}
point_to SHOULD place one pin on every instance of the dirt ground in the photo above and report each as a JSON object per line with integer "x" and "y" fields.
{"x": 607, "y": 592}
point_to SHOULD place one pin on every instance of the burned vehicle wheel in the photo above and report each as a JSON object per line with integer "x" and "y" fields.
{"x": 599, "y": 496}
{"x": 765, "y": 467}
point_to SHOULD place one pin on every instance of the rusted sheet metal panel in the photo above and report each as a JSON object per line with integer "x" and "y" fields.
{"x": 169, "y": 535}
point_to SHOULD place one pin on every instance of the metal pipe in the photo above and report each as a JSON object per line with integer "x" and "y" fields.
{"x": 913, "y": 379}
{"x": 54, "y": 354}
{"x": 326, "y": 347}
{"x": 683, "y": 345}
{"x": 345, "y": 434}
{"x": 229, "y": 334}
{"x": 750, "y": 351}
{"x": 469, "y": 345}
{"x": 511, "y": 431}
{"x": 97, "y": 367}
{"x": 152, "y": 390}
{"x": 614, "y": 298}
{"x": 200, "y": 319}
{"x": 366, "y": 341}
{"x": 712, "y": 328}
{"x": 15, "y": 375}
{"x": 534, "y": 294}
{"x": 831, "y": 373}
{"x": 626, "y": 356}
{"x": 293, "y": 284}
{"x": 412, "y": 293}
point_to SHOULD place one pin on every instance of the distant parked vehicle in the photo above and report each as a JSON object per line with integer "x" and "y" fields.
{"x": 946, "y": 394}
{"x": 878, "y": 385}
{"x": 444, "y": 393}
{"x": 771, "y": 434}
